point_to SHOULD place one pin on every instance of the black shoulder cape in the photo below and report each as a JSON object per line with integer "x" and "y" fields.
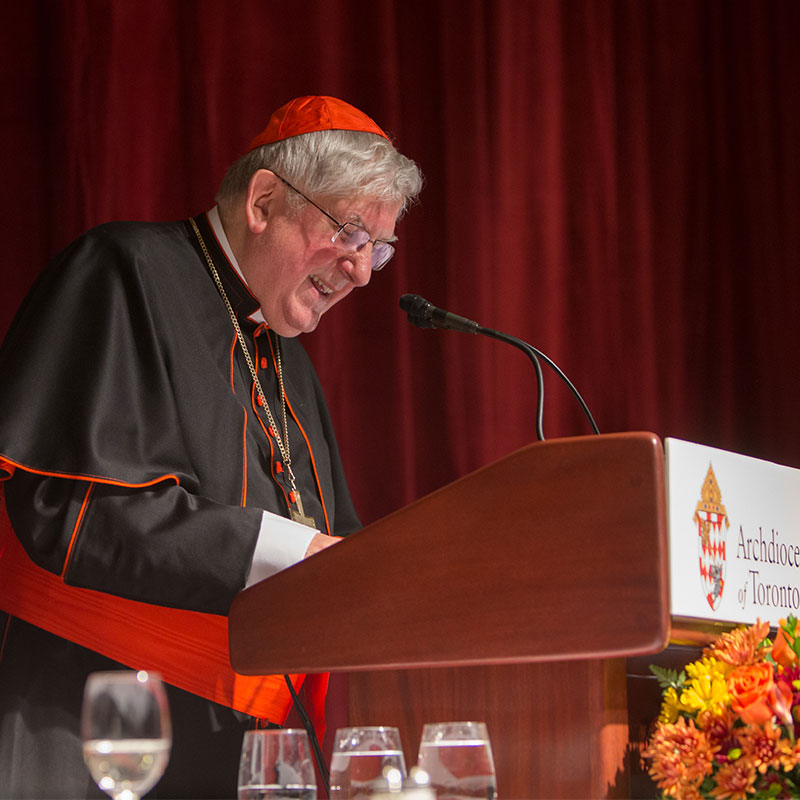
{"x": 125, "y": 394}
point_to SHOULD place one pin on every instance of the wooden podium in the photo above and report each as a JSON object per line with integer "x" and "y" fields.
{"x": 511, "y": 596}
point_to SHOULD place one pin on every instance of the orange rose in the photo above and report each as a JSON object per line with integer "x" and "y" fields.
{"x": 750, "y": 688}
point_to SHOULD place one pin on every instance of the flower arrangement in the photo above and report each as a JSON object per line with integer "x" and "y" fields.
{"x": 730, "y": 722}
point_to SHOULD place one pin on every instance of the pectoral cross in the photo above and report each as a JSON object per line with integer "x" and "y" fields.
{"x": 298, "y": 514}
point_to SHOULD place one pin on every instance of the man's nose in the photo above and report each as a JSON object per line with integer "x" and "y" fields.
{"x": 359, "y": 265}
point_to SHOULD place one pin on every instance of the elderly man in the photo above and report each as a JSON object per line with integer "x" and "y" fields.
{"x": 165, "y": 442}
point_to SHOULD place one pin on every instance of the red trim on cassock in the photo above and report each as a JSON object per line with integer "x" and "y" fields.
{"x": 78, "y": 523}
{"x": 10, "y": 465}
{"x": 308, "y": 443}
{"x": 188, "y": 648}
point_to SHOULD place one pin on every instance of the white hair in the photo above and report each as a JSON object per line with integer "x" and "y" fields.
{"x": 332, "y": 163}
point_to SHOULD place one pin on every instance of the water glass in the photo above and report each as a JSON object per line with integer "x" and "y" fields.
{"x": 126, "y": 731}
{"x": 277, "y": 765}
{"x": 458, "y": 759}
{"x": 366, "y": 761}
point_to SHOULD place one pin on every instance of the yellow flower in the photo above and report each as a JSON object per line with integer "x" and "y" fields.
{"x": 707, "y": 689}
{"x": 709, "y": 666}
{"x": 670, "y": 707}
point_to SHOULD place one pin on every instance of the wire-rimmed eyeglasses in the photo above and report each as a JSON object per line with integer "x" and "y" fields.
{"x": 350, "y": 235}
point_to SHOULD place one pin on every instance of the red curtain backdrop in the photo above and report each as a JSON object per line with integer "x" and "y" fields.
{"x": 616, "y": 182}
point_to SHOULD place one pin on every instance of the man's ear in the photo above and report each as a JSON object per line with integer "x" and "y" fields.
{"x": 263, "y": 199}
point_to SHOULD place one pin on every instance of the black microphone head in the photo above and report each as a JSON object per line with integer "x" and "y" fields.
{"x": 413, "y": 303}
{"x": 418, "y": 309}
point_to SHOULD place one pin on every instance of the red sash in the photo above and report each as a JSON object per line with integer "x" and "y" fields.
{"x": 188, "y": 648}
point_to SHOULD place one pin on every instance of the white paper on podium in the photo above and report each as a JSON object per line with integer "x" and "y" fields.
{"x": 734, "y": 535}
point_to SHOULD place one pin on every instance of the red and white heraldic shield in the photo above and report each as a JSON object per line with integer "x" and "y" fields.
{"x": 710, "y": 517}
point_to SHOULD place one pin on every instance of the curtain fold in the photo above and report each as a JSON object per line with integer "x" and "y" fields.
{"x": 614, "y": 181}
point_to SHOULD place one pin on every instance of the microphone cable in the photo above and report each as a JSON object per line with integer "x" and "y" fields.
{"x": 425, "y": 315}
{"x": 534, "y": 356}
{"x": 312, "y": 736}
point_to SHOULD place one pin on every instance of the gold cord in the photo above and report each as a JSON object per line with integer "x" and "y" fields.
{"x": 282, "y": 442}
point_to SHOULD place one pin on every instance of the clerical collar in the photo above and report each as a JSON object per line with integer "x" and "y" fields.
{"x": 219, "y": 232}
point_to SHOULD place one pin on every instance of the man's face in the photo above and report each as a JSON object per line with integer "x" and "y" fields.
{"x": 295, "y": 270}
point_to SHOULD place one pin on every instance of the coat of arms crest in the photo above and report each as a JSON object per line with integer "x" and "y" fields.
{"x": 709, "y": 516}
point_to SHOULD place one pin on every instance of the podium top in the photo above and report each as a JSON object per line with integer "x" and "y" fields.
{"x": 558, "y": 551}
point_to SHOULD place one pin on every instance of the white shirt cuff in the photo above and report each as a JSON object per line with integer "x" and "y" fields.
{"x": 281, "y": 543}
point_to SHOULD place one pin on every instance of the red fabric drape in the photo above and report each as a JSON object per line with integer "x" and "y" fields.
{"x": 615, "y": 182}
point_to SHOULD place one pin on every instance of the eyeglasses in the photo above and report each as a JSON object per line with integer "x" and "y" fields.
{"x": 350, "y": 235}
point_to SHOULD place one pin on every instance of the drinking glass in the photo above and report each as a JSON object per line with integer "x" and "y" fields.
{"x": 458, "y": 759}
{"x": 126, "y": 731}
{"x": 366, "y": 761}
{"x": 277, "y": 765}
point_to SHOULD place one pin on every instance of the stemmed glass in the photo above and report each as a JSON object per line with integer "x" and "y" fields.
{"x": 458, "y": 759}
{"x": 276, "y": 765}
{"x": 365, "y": 761}
{"x": 126, "y": 731}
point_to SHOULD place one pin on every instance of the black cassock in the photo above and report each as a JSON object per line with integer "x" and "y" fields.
{"x": 121, "y": 381}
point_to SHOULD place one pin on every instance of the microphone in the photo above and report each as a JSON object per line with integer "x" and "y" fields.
{"x": 426, "y": 315}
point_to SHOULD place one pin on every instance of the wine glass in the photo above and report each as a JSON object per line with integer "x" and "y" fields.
{"x": 277, "y": 765}
{"x": 458, "y": 759}
{"x": 366, "y": 761}
{"x": 126, "y": 731}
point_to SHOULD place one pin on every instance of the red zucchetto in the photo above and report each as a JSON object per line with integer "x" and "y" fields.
{"x": 314, "y": 113}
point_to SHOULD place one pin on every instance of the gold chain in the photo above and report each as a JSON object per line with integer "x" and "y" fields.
{"x": 283, "y": 443}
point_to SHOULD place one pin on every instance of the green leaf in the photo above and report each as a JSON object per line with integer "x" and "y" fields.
{"x": 668, "y": 677}
{"x": 790, "y": 627}
{"x": 734, "y": 753}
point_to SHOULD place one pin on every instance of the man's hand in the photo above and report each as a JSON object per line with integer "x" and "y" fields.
{"x": 320, "y": 542}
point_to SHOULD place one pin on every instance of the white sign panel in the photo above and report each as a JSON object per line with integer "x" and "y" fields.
{"x": 734, "y": 535}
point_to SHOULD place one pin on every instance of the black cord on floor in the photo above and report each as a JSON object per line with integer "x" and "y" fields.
{"x": 312, "y": 735}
